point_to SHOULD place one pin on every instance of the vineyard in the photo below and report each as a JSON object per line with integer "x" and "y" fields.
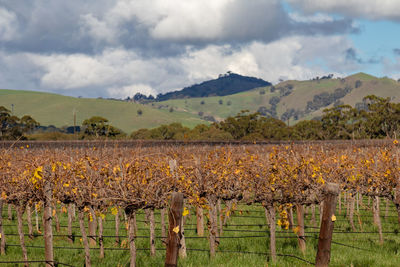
{"x": 237, "y": 205}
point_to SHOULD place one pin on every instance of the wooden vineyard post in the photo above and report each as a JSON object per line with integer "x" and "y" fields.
{"x": 2, "y": 237}
{"x": 174, "y": 233}
{"x": 20, "y": 211}
{"x": 200, "y": 221}
{"x": 131, "y": 214}
{"x": 47, "y": 224}
{"x": 85, "y": 241}
{"x": 327, "y": 224}
{"x": 300, "y": 225}
{"x": 152, "y": 233}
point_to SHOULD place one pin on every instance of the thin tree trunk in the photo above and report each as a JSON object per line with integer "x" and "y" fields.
{"x": 92, "y": 228}
{"x": 81, "y": 216}
{"x": 37, "y": 219}
{"x": 101, "y": 241}
{"x": 73, "y": 212}
{"x": 182, "y": 242}
{"x": 340, "y": 203}
{"x": 117, "y": 223}
{"x": 152, "y": 233}
{"x": 290, "y": 217}
{"x": 387, "y": 209}
{"x": 358, "y": 203}
{"x": 2, "y": 236}
{"x": 219, "y": 216}
{"x": 163, "y": 232}
{"x": 20, "y": 212}
{"x": 69, "y": 226}
{"x": 213, "y": 228}
{"x": 377, "y": 217}
{"x": 300, "y": 225}
{"x": 56, "y": 218}
{"x": 313, "y": 221}
{"x": 29, "y": 220}
{"x": 131, "y": 234}
{"x": 272, "y": 229}
{"x": 9, "y": 211}
{"x": 200, "y": 221}
{"x": 351, "y": 212}
{"x": 47, "y": 225}
{"x": 229, "y": 204}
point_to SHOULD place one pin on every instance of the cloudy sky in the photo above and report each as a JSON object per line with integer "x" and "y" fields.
{"x": 117, "y": 48}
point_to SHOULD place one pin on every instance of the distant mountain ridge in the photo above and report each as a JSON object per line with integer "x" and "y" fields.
{"x": 226, "y": 84}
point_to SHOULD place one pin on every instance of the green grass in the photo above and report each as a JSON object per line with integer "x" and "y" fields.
{"x": 53, "y": 109}
{"x": 364, "y": 248}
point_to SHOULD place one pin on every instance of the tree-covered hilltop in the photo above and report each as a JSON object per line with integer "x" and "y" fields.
{"x": 226, "y": 84}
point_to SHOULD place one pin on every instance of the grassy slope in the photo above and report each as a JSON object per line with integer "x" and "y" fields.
{"x": 52, "y": 109}
{"x": 58, "y": 110}
{"x": 303, "y": 92}
{"x": 250, "y": 100}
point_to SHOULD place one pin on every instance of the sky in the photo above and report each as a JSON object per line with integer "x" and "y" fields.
{"x": 104, "y": 48}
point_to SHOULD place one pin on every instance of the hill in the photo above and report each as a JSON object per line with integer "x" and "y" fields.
{"x": 227, "y": 84}
{"x": 57, "y": 110}
{"x": 291, "y": 100}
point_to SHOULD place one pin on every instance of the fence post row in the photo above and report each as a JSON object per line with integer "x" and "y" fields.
{"x": 331, "y": 192}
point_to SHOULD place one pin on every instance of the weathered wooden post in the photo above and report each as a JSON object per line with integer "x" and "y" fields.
{"x": 2, "y": 237}
{"x": 300, "y": 225}
{"x": 331, "y": 192}
{"x": 47, "y": 222}
{"x": 174, "y": 231}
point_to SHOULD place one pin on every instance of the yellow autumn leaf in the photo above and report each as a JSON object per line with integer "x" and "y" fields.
{"x": 176, "y": 229}
{"x": 185, "y": 212}
{"x": 66, "y": 185}
{"x": 114, "y": 210}
{"x": 333, "y": 218}
{"x": 54, "y": 212}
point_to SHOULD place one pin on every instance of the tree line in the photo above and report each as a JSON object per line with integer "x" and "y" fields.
{"x": 377, "y": 117}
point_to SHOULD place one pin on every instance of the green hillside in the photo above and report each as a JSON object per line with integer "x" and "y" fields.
{"x": 301, "y": 93}
{"x": 293, "y": 96}
{"x": 57, "y": 110}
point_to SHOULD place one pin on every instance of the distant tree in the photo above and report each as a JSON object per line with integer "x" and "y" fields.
{"x": 139, "y": 112}
{"x": 262, "y": 92}
{"x": 12, "y": 127}
{"x": 358, "y": 84}
{"x": 220, "y": 102}
{"x": 171, "y": 109}
{"x": 98, "y": 126}
{"x": 229, "y": 103}
{"x": 202, "y": 102}
{"x": 200, "y": 113}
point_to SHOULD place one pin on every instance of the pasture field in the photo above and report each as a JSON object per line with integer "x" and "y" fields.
{"x": 245, "y": 232}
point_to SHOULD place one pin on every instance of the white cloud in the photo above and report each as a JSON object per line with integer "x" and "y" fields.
{"x": 121, "y": 73}
{"x": 131, "y": 90}
{"x": 191, "y": 19}
{"x": 371, "y": 9}
{"x": 290, "y": 58}
{"x": 317, "y": 18}
{"x": 8, "y": 25}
